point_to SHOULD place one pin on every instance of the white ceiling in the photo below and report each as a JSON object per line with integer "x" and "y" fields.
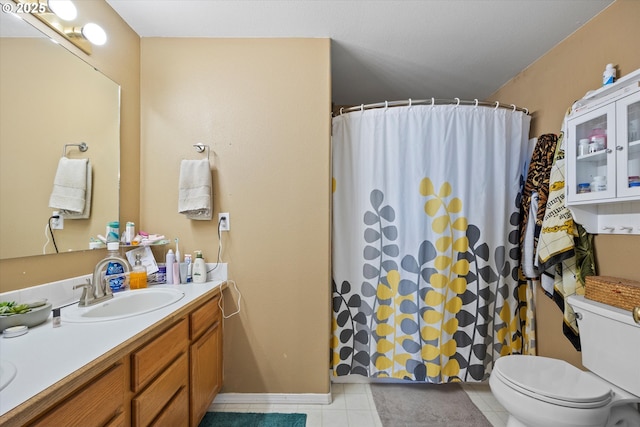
{"x": 386, "y": 50}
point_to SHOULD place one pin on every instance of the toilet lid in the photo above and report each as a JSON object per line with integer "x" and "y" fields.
{"x": 554, "y": 381}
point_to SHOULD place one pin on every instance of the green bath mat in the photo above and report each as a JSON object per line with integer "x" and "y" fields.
{"x": 252, "y": 419}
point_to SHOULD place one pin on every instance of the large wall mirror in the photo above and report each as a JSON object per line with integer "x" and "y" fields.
{"x": 51, "y": 98}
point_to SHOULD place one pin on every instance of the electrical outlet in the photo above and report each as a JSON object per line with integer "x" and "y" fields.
{"x": 57, "y": 223}
{"x": 223, "y": 221}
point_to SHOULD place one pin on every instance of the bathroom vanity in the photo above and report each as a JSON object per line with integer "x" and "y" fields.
{"x": 157, "y": 368}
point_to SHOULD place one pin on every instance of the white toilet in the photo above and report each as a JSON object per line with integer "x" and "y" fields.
{"x": 543, "y": 392}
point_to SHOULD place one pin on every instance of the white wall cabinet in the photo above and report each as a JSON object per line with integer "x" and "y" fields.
{"x": 615, "y": 206}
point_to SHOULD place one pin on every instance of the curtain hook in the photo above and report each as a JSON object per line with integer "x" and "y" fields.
{"x": 341, "y": 110}
{"x": 386, "y": 105}
{"x": 526, "y": 111}
{"x": 410, "y": 102}
{"x": 457, "y": 102}
{"x": 514, "y": 108}
{"x": 361, "y": 107}
{"x": 476, "y": 106}
{"x": 497, "y": 105}
{"x": 433, "y": 101}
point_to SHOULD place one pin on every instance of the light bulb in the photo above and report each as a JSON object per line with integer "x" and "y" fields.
{"x": 94, "y": 33}
{"x": 64, "y": 9}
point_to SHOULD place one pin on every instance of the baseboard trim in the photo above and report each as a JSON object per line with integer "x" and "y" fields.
{"x": 274, "y": 398}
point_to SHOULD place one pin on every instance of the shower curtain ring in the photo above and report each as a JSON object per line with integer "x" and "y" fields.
{"x": 497, "y": 105}
{"x": 361, "y": 107}
{"x": 341, "y": 110}
{"x": 514, "y": 108}
{"x": 457, "y": 102}
{"x": 526, "y": 111}
{"x": 433, "y": 101}
{"x": 386, "y": 105}
{"x": 476, "y": 106}
{"x": 410, "y": 102}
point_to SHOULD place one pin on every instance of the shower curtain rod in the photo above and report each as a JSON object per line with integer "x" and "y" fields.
{"x": 433, "y": 101}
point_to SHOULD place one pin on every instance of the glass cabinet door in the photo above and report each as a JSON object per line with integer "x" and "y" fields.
{"x": 628, "y": 146}
{"x": 591, "y": 155}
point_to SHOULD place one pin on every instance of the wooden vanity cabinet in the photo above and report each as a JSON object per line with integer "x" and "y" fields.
{"x": 206, "y": 358}
{"x": 168, "y": 376}
{"x": 99, "y": 403}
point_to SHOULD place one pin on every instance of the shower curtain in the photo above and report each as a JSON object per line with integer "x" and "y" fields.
{"x": 425, "y": 241}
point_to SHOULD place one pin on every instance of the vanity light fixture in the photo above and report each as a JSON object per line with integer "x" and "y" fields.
{"x": 61, "y": 16}
{"x": 63, "y": 9}
{"x": 91, "y": 32}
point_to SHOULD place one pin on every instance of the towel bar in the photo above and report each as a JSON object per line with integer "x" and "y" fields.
{"x": 201, "y": 147}
{"x": 82, "y": 147}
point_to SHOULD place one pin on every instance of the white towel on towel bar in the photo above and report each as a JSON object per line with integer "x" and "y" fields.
{"x": 86, "y": 213}
{"x": 194, "y": 194}
{"x": 70, "y": 185}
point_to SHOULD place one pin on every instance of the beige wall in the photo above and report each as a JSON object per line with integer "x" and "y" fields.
{"x": 119, "y": 59}
{"x": 262, "y": 105}
{"x": 548, "y": 87}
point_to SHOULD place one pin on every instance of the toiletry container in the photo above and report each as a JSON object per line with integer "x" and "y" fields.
{"x": 129, "y": 232}
{"x": 609, "y": 75}
{"x": 583, "y": 147}
{"x": 113, "y": 231}
{"x": 599, "y": 183}
{"x": 598, "y": 137}
{"x": 199, "y": 270}
{"x": 170, "y": 262}
{"x": 116, "y": 268}
{"x": 138, "y": 277}
{"x": 189, "y": 262}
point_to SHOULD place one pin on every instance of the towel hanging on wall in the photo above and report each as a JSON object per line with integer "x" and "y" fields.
{"x": 194, "y": 193}
{"x": 72, "y": 188}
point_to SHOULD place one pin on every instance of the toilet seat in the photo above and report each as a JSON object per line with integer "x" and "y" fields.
{"x": 553, "y": 381}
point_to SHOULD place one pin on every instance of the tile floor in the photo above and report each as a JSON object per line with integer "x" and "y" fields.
{"x": 353, "y": 406}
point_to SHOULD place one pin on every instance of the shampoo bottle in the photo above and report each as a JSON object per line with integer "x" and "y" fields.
{"x": 170, "y": 261}
{"x": 138, "y": 278}
{"x": 199, "y": 270}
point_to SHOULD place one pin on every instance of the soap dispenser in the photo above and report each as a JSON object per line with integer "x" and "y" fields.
{"x": 138, "y": 278}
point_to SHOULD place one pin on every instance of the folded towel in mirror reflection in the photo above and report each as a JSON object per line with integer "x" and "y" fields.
{"x": 71, "y": 192}
{"x": 194, "y": 194}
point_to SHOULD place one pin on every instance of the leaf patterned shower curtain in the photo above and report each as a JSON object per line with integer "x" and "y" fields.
{"x": 425, "y": 241}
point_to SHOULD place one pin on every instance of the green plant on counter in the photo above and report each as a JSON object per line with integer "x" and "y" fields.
{"x": 11, "y": 308}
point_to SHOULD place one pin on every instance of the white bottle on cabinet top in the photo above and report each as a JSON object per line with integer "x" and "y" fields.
{"x": 199, "y": 271}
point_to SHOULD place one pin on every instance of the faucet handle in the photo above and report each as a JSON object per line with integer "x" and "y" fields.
{"x": 87, "y": 292}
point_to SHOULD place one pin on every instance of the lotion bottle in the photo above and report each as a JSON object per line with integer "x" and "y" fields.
{"x": 170, "y": 261}
{"x": 199, "y": 270}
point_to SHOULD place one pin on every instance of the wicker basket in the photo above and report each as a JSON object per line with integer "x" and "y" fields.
{"x": 621, "y": 293}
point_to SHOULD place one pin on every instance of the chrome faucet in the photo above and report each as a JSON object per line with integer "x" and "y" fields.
{"x": 98, "y": 289}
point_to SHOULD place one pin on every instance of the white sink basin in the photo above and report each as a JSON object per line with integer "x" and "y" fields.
{"x": 123, "y": 304}
{"x": 7, "y": 373}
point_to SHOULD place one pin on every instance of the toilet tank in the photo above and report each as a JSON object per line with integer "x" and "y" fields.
{"x": 610, "y": 341}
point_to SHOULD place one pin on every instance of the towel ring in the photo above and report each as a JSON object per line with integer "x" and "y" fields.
{"x": 201, "y": 147}
{"x": 82, "y": 147}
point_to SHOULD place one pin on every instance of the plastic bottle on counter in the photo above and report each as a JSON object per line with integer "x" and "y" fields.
{"x": 138, "y": 277}
{"x": 116, "y": 267}
{"x": 609, "y": 75}
{"x": 199, "y": 270}
{"x": 170, "y": 262}
{"x": 188, "y": 261}
{"x": 113, "y": 231}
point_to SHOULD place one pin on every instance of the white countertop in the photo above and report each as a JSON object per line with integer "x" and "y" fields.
{"x": 46, "y": 355}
